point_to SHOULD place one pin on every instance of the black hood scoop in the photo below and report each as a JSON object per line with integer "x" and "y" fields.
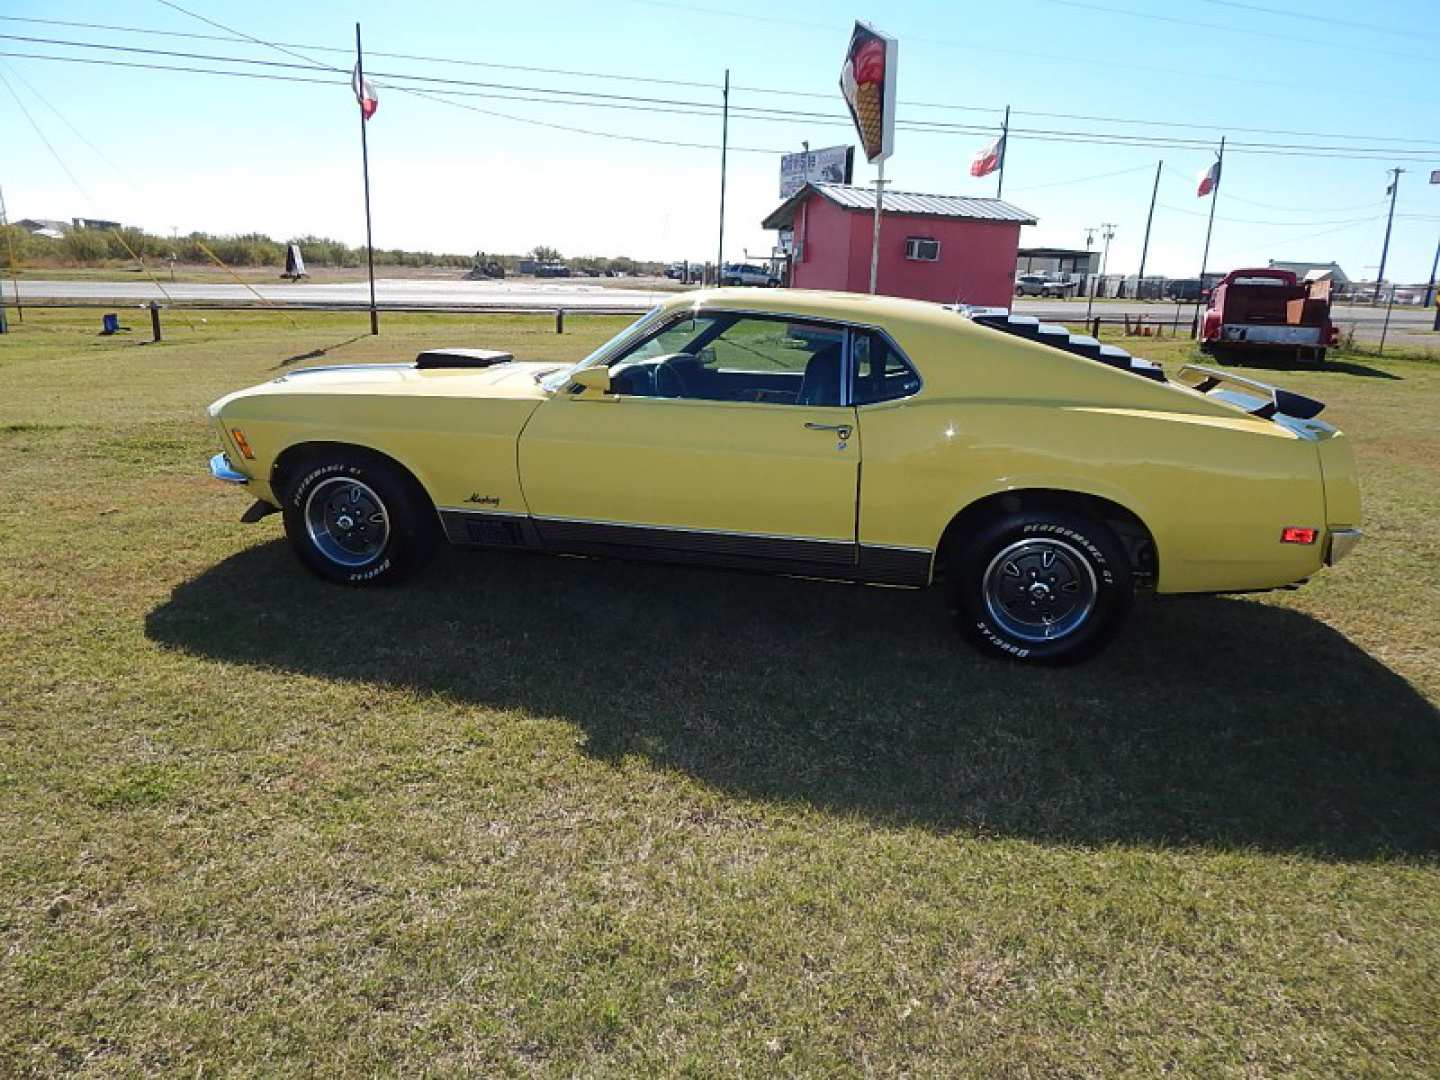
{"x": 461, "y": 358}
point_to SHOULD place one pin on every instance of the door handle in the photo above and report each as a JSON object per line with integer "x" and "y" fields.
{"x": 843, "y": 430}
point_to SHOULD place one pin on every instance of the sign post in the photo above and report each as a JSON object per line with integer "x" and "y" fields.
{"x": 867, "y": 80}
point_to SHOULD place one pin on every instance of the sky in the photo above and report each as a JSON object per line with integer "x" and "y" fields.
{"x": 169, "y": 150}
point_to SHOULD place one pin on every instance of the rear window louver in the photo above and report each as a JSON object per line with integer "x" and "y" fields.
{"x": 1056, "y": 336}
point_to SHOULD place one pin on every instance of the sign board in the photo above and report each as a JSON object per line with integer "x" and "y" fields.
{"x": 867, "y": 79}
{"x": 832, "y": 165}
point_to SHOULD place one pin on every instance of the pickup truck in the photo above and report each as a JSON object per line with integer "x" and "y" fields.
{"x": 1269, "y": 311}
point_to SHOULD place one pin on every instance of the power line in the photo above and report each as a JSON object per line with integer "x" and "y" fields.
{"x": 692, "y": 107}
{"x": 1290, "y": 14}
{"x": 48, "y": 145}
{"x": 1252, "y": 221}
{"x": 471, "y": 108}
{"x": 1083, "y": 179}
{"x": 988, "y": 46}
{"x": 62, "y": 118}
{"x": 1131, "y": 13}
{"x": 574, "y": 73}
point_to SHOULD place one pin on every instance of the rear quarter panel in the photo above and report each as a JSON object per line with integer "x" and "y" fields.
{"x": 1213, "y": 485}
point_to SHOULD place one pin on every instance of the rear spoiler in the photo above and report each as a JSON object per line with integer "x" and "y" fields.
{"x": 1271, "y": 399}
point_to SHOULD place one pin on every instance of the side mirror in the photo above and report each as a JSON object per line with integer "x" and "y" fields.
{"x": 593, "y": 380}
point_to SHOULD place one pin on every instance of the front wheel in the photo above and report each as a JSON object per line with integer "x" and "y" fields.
{"x": 1041, "y": 587}
{"x": 358, "y": 519}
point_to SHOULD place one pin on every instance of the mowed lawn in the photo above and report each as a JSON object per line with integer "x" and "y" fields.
{"x": 568, "y": 817}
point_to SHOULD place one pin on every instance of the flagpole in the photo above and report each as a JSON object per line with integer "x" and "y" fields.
{"x": 365, "y": 165}
{"x": 1145, "y": 247}
{"x": 875, "y": 232}
{"x": 1205, "y": 258}
{"x": 724, "y": 149}
{"x": 1004, "y": 152}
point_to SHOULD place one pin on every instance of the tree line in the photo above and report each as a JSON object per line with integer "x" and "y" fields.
{"x": 96, "y": 247}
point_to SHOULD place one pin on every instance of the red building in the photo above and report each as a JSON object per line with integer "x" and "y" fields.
{"x": 932, "y": 247}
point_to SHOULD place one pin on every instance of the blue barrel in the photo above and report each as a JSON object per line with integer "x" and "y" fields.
{"x": 110, "y": 324}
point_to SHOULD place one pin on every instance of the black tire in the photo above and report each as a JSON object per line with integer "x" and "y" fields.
{"x": 1016, "y": 572}
{"x": 355, "y": 518}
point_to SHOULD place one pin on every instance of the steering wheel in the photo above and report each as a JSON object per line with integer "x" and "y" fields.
{"x": 663, "y": 372}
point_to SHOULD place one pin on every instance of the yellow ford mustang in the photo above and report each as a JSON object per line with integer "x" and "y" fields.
{"x": 1042, "y": 476}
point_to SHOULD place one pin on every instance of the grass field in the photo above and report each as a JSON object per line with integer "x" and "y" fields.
{"x": 568, "y": 817}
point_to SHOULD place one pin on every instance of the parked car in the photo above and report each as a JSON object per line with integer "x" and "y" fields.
{"x": 1030, "y": 285}
{"x": 1041, "y": 478}
{"x": 747, "y": 274}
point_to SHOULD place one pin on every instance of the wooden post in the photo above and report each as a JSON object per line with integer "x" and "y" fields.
{"x": 155, "y": 320}
{"x": 560, "y": 320}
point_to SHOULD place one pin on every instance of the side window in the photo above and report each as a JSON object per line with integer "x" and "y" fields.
{"x": 881, "y": 373}
{"x": 719, "y": 356}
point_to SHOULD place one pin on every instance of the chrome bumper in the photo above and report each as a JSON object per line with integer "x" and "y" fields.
{"x": 221, "y": 469}
{"x": 1340, "y": 544}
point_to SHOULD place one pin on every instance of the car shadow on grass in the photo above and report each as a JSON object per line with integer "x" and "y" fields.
{"x": 1210, "y": 722}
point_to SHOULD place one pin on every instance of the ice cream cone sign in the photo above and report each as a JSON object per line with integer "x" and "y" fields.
{"x": 867, "y": 79}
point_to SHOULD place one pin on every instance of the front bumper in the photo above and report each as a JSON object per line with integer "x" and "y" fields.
{"x": 1340, "y": 543}
{"x": 221, "y": 469}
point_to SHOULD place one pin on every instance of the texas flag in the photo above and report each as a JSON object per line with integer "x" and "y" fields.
{"x": 1209, "y": 181}
{"x": 364, "y": 94}
{"x": 989, "y": 159}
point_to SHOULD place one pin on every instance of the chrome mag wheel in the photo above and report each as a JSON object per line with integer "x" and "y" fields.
{"x": 347, "y": 522}
{"x": 1039, "y": 589}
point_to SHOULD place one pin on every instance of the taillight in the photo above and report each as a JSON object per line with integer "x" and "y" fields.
{"x": 1293, "y": 534}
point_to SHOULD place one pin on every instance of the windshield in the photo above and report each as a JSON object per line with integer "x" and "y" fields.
{"x": 558, "y": 380}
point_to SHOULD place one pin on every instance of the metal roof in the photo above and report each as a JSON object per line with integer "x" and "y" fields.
{"x": 853, "y": 197}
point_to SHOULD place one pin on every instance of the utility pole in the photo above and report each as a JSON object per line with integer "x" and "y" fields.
{"x": 1392, "y": 191}
{"x": 1107, "y": 233}
{"x": 365, "y": 164}
{"x": 724, "y": 149}
{"x": 1145, "y": 247}
{"x": 1089, "y": 283}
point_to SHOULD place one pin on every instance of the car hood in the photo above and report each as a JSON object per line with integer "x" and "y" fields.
{"x": 511, "y": 381}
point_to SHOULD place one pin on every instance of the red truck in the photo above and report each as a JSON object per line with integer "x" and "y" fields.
{"x": 1269, "y": 311}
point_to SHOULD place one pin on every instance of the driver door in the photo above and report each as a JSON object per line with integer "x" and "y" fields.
{"x": 727, "y": 439}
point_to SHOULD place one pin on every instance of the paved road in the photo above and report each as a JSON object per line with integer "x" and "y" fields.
{"x": 396, "y": 292}
{"x": 1409, "y": 325}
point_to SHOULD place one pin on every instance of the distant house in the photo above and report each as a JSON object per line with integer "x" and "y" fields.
{"x": 947, "y": 248}
{"x": 99, "y": 224}
{"x": 46, "y": 227}
{"x": 1313, "y": 271}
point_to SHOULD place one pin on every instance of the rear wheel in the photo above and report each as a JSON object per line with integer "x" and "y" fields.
{"x": 358, "y": 519}
{"x": 1043, "y": 587}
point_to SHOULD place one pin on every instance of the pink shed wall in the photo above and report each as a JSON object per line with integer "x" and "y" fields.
{"x": 976, "y": 265}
